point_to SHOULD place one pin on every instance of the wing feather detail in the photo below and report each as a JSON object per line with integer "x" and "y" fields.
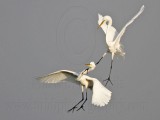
{"x": 59, "y": 76}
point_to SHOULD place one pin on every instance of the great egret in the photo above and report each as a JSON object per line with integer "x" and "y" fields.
{"x": 112, "y": 38}
{"x": 101, "y": 95}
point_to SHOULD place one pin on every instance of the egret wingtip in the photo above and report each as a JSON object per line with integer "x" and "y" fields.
{"x": 142, "y": 8}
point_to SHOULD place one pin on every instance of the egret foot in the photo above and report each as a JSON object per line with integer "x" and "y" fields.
{"x": 81, "y": 108}
{"x": 108, "y": 80}
{"x": 72, "y": 109}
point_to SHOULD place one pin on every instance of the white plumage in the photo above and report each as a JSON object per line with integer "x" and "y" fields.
{"x": 112, "y": 38}
{"x": 59, "y": 76}
{"x": 101, "y": 95}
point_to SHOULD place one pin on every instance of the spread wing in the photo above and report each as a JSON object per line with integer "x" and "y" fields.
{"x": 101, "y": 95}
{"x": 59, "y": 76}
{"x": 118, "y": 38}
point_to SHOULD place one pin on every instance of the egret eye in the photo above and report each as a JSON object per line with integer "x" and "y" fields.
{"x": 107, "y": 22}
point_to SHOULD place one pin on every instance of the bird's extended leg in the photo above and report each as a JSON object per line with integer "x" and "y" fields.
{"x": 81, "y": 107}
{"x": 109, "y": 79}
{"x": 87, "y": 70}
{"x": 74, "y": 107}
{"x": 101, "y": 59}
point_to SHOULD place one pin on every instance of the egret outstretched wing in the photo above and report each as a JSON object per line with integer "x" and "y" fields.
{"x": 118, "y": 38}
{"x": 59, "y": 76}
{"x": 101, "y": 95}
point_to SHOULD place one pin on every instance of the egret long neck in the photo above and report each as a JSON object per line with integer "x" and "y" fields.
{"x": 104, "y": 27}
{"x": 111, "y": 32}
{"x": 109, "y": 22}
{"x": 86, "y": 71}
{"x": 109, "y": 25}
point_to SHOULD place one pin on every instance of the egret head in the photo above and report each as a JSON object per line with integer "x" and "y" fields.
{"x": 91, "y": 65}
{"x": 104, "y": 20}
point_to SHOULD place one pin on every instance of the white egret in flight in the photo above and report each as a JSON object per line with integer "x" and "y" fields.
{"x": 112, "y": 38}
{"x": 101, "y": 95}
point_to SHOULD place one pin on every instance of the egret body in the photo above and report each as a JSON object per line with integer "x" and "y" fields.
{"x": 114, "y": 47}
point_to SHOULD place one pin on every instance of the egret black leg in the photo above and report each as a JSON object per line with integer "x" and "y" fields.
{"x": 74, "y": 107}
{"x": 81, "y": 107}
{"x": 109, "y": 79}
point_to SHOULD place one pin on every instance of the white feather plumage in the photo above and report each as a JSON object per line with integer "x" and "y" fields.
{"x": 101, "y": 95}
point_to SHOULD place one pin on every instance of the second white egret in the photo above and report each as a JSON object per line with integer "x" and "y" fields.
{"x": 112, "y": 38}
{"x": 101, "y": 95}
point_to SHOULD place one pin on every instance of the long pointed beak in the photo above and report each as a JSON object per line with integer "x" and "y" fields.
{"x": 87, "y": 65}
{"x": 100, "y": 24}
